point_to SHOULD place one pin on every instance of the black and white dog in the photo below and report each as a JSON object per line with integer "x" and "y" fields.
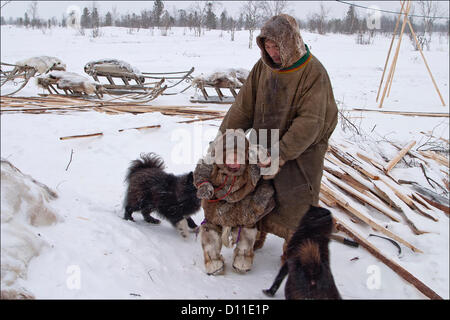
{"x": 150, "y": 189}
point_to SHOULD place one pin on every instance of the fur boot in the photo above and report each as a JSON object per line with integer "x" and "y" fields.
{"x": 260, "y": 239}
{"x": 212, "y": 244}
{"x": 243, "y": 253}
{"x": 182, "y": 228}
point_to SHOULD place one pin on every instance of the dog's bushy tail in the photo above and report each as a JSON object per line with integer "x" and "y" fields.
{"x": 147, "y": 161}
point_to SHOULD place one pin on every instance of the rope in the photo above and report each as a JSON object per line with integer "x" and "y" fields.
{"x": 388, "y": 11}
{"x": 239, "y": 235}
{"x": 226, "y": 195}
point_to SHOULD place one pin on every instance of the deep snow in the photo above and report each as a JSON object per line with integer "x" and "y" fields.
{"x": 113, "y": 258}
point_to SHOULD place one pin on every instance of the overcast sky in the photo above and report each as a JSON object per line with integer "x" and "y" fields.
{"x": 300, "y": 9}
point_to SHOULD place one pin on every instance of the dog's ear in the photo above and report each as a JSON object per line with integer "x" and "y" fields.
{"x": 191, "y": 176}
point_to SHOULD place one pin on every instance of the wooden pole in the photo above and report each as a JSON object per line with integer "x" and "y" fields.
{"x": 425, "y": 60}
{"x": 391, "y": 70}
{"x": 390, "y": 48}
{"x": 391, "y": 80}
{"x": 402, "y": 272}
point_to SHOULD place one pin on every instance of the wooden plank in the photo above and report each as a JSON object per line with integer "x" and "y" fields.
{"x": 384, "y": 210}
{"x": 391, "y": 164}
{"x": 140, "y": 128}
{"x": 350, "y": 161}
{"x": 328, "y": 200}
{"x": 201, "y": 119}
{"x": 81, "y": 136}
{"x": 371, "y": 161}
{"x": 405, "y": 113}
{"x": 344, "y": 204}
{"x": 436, "y": 157}
{"x": 402, "y": 272}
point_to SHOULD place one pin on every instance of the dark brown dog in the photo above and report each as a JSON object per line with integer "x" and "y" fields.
{"x": 308, "y": 265}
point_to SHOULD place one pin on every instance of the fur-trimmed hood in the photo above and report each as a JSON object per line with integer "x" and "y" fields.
{"x": 283, "y": 30}
{"x": 233, "y": 141}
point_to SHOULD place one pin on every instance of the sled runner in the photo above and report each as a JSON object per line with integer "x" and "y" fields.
{"x": 231, "y": 79}
{"x": 22, "y": 71}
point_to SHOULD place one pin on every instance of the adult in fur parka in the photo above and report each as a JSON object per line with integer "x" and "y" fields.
{"x": 234, "y": 199}
{"x": 288, "y": 90}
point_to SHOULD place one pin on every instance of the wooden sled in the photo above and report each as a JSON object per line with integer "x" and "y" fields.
{"x": 70, "y": 84}
{"x": 231, "y": 80}
{"x": 136, "y": 85}
{"x": 22, "y": 71}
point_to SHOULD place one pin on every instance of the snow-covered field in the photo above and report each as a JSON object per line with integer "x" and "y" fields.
{"x": 91, "y": 252}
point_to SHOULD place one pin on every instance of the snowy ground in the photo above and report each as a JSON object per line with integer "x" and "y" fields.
{"x": 113, "y": 258}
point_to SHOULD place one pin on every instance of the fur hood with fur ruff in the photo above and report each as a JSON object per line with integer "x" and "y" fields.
{"x": 283, "y": 30}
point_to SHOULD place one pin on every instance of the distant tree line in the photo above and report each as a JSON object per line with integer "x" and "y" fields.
{"x": 204, "y": 15}
{"x": 351, "y": 23}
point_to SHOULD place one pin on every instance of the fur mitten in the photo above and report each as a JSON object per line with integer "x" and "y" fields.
{"x": 205, "y": 191}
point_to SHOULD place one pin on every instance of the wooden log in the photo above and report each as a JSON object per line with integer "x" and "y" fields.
{"x": 402, "y": 272}
{"x": 81, "y": 136}
{"x": 398, "y": 157}
{"x": 344, "y": 204}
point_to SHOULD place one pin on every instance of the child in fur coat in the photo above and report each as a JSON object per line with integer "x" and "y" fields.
{"x": 234, "y": 199}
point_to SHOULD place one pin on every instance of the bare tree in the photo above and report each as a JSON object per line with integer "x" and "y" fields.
{"x": 198, "y": 17}
{"x": 322, "y": 18}
{"x": 273, "y": 8}
{"x": 429, "y": 11}
{"x": 33, "y": 11}
{"x": 251, "y": 11}
{"x": 95, "y": 20}
{"x": 232, "y": 24}
{"x": 114, "y": 15}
